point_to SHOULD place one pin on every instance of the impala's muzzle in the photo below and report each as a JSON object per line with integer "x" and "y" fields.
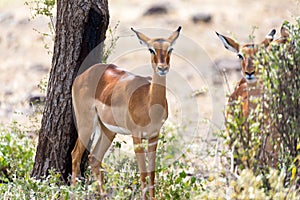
{"x": 250, "y": 77}
{"x": 162, "y": 71}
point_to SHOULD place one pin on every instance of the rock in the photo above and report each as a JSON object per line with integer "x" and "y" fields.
{"x": 229, "y": 65}
{"x": 156, "y": 10}
{"x": 24, "y": 21}
{"x": 38, "y": 67}
{"x": 6, "y": 17}
{"x": 34, "y": 100}
{"x": 8, "y": 93}
{"x": 202, "y": 17}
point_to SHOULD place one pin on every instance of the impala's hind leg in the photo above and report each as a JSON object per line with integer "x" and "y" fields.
{"x": 85, "y": 125}
{"x": 97, "y": 154}
{"x": 76, "y": 159}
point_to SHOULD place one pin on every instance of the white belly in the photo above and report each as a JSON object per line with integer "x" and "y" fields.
{"x": 117, "y": 129}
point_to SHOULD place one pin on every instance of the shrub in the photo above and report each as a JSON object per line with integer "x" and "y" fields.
{"x": 280, "y": 73}
{"x": 275, "y": 121}
{"x": 249, "y": 186}
{"x": 16, "y": 153}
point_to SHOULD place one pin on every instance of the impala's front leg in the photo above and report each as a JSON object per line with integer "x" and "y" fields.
{"x": 141, "y": 160}
{"x": 152, "y": 145}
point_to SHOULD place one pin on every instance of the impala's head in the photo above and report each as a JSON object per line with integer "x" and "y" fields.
{"x": 160, "y": 49}
{"x": 284, "y": 35}
{"x": 246, "y": 53}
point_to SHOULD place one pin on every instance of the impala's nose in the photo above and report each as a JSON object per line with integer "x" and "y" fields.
{"x": 162, "y": 70}
{"x": 250, "y": 77}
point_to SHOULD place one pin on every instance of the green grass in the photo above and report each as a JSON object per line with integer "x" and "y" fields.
{"x": 121, "y": 172}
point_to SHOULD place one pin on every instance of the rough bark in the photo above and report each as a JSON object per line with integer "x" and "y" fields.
{"x": 80, "y": 26}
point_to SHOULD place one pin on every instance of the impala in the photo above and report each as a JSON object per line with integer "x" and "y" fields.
{"x": 109, "y": 100}
{"x": 250, "y": 87}
{"x": 284, "y": 35}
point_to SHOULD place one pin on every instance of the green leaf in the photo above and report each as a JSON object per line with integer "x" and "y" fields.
{"x": 182, "y": 174}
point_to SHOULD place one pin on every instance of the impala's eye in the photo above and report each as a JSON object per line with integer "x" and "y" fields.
{"x": 240, "y": 56}
{"x": 152, "y": 51}
{"x": 170, "y": 50}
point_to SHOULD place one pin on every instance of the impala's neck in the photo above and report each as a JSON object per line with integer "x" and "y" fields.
{"x": 254, "y": 85}
{"x": 157, "y": 99}
{"x": 254, "y": 92}
{"x": 158, "y": 90}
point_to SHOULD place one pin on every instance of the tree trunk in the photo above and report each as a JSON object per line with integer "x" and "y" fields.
{"x": 80, "y": 27}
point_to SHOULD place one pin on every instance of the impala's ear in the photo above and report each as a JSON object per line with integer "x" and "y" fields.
{"x": 172, "y": 39}
{"x": 229, "y": 43}
{"x": 143, "y": 38}
{"x": 269, "y": 38}
{"x": 284, "y": 32}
